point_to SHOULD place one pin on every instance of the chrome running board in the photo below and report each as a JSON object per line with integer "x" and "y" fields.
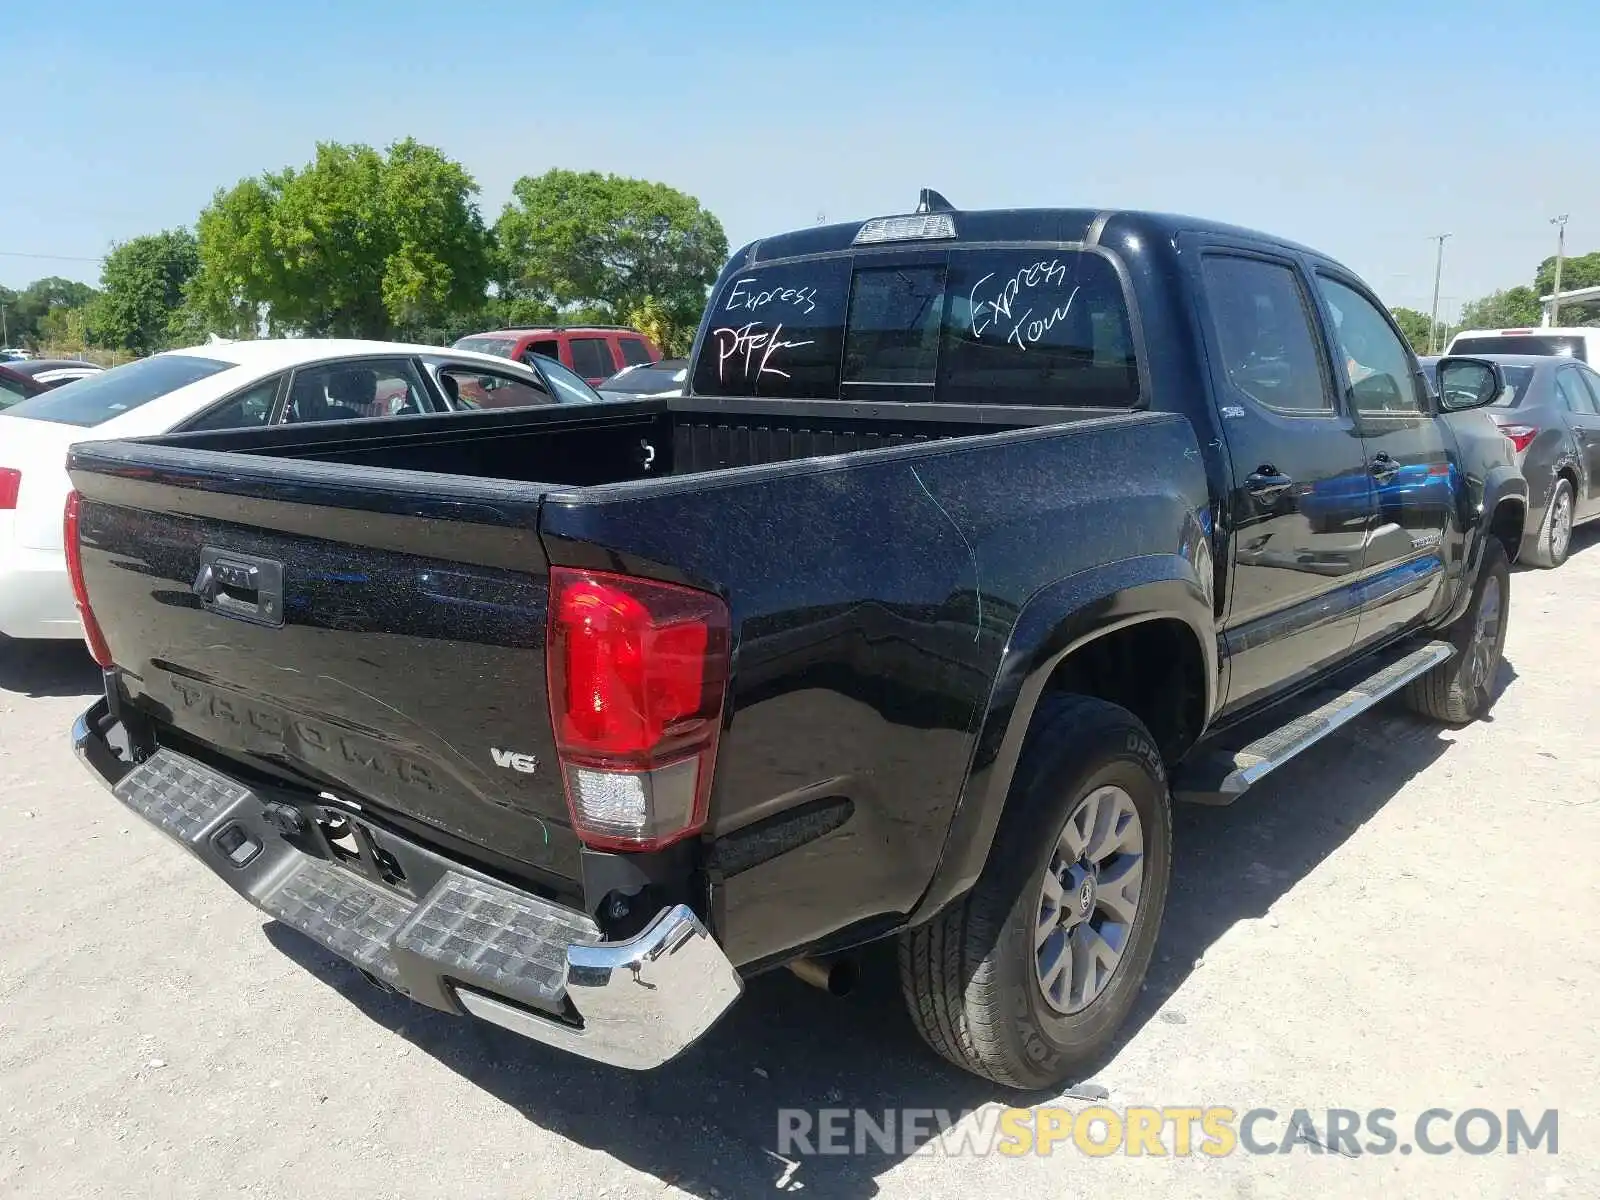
{"x": 1223, "y": 775}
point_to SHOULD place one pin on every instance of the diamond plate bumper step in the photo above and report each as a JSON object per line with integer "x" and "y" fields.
{"x": 467, "y": 944}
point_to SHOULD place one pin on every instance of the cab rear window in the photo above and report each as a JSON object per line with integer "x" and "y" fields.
{"x": 1523, "y": 343}
{"x": 981, "y": 326}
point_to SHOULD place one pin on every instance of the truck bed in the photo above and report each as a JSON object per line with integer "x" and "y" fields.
{"x": 614, "y": 443}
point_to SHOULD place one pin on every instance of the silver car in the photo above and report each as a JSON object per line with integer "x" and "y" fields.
{"x": 1550, "y": 412}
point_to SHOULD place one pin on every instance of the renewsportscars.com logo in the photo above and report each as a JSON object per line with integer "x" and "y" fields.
{"x": 1176, "y": 1131}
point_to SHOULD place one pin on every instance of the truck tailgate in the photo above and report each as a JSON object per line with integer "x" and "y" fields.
{"x": 376, "y": 635}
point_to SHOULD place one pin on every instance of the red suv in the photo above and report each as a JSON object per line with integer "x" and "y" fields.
{"x": 596, "y": 352}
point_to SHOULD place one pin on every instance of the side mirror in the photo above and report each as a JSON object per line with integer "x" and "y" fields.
{"x": 1468, "y": 383}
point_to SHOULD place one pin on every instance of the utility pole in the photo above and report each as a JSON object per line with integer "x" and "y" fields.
{"x": 1438, "y": 269}
{"x": 5, "y": 334}
{"x": 1561, "y": 252}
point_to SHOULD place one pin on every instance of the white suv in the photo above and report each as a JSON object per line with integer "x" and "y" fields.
{"x": 1576, "y": 342}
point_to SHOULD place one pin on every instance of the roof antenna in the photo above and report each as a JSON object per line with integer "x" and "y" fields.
{"x": 931, "y": 201}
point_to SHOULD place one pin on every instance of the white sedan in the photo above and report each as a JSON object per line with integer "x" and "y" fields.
{"x": 227, "y": 385}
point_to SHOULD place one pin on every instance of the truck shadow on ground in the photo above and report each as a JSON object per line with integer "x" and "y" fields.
{"x": 709, "y": 1122}
{"x": 48, "y": 668}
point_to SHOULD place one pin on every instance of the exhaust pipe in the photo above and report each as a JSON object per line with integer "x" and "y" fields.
{"x": 836, "y": 976}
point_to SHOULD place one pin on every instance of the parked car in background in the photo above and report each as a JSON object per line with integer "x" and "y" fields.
{"x": 53, "y": 372}
{"x": 596, "y": 352}
{"x": 15, "y": 386}
{"x": 15, "y": 354}
{"x": 664, "y": 378}
{"x": 1550, "y": 413}
{"x": 1579, "y": 342}
{"x": 233, "y": 385}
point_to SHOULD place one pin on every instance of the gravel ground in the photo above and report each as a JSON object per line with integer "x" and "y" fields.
{"x": 1398, "y": 920}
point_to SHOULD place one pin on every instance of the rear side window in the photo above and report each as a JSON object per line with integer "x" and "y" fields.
{"x": 356, "y": 390}
{"x": 11, "y": 392}
{"x": 634, "y": 352}
{"x": 1024, "y": 327}
{"x": 1517, "y": 381}
{"x": 1523, "y": 343}
{"x": 251, "y": 408}
{"x": 591, "y": 357}
{"x": 1037, "y": 327}
{"x": 1592, "y": 382}
{"x": 99, "y": 398}
{"x": 1574, "y": 394}
{"x": 1264, "y": 333}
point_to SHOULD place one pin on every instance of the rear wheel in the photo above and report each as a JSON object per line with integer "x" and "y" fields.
{"x": 1459, "y": 690}
{"x": 1554, "y": 540}
{"x": 1028, "y": 978}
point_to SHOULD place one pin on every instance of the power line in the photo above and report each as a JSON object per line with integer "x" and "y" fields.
{"x": 52, "y": 257}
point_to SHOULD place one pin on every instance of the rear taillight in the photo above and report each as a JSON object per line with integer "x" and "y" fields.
{"x": 1520, "y": 436}
{"x": 91, "y": 627}
{"x": 637, "y": 674}
{"x": 10, "y": 487}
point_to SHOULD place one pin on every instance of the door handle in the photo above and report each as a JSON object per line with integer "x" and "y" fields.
{"x": 1384, "y": 468}
{"x": 1267, "y": 483}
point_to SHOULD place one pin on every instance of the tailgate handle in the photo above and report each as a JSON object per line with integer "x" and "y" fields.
{"x": 240, "y": 586}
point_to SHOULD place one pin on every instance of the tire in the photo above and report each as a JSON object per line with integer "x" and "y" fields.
{"x": 1554, "y": 540}
{"x": 972, "y": 976}
{"x": 1459, "y": 690}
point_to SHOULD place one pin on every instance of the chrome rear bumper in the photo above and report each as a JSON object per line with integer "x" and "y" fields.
{"x": 437, "y": 931}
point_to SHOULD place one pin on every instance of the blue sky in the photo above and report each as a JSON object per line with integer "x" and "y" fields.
{"x": 1359, "y": 128}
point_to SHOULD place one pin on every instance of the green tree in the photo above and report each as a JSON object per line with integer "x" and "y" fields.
{"x": 26, "y": 310}
{"x": 673, "y": 335}
{"x": 1415, "y": 326}
{"x": 355, "y": 244}
{"x": 624, "y": 247}
{"x": 1579, "y": 272}
{"x": 142, "y": 285}
{"x": 1501, "y": 310}
{"x": 65, "y": 329}
{"x": 240, "y": 272}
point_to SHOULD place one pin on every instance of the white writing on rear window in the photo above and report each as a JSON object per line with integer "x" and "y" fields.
{"x": 1027, "y": 290}
{"x": 748, "y": 295}
{"x": 741, "y": 346}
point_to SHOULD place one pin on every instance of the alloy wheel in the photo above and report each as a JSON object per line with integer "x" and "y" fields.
{"x": 1089, "y": 899}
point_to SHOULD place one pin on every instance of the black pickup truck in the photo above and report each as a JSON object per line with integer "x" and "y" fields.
{"x": 977, "y": 540}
